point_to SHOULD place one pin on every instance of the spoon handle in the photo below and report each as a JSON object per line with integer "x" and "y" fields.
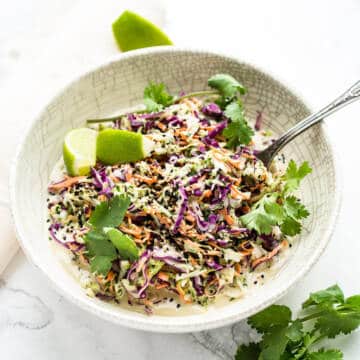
{"x": 352, "y": 94}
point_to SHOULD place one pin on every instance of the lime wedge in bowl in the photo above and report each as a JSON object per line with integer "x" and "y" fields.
{"x": 122, "y": 146}
{"x": 79, "y": 151}
{"x": 132, "y": 32}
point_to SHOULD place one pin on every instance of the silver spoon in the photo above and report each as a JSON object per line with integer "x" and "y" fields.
{"x": 268, "y": 154}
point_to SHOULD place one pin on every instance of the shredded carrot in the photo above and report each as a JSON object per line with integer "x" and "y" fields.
{"x": 229, "y": 220}
{"x": 213, "y": 252}
{"x": 182, "y": 294}
{"x": 245, "y": 249}
{"x": 146, "y": 179}
{"x": 114, "y": 178}
{"x": 163, "y": 276}
{"x": 193, "y": 261}
{"x": 248, "y": 156}
{"x": 161, "y": 126}
{"x": 67, "y": 182}
{"x": 236, "y": 194}
{"x": 190, "y": 218}
{"x": 136, "y": 231}
{"x": 269, "y": 256}
{"x": 162, "y": 219}
{"x": 180, "y": 132}
{"x": 236, "y": 181}
{"x": 161, "y": 286}
{"x": 235, "y": 163}
{"x": 214, "y": 244}
{"x": 206, "y": 194}
{"x": 102, "y": 197}
{"x": 128, "y": 176}
{"x": 110, "y": 276}
{"x": 237, "y": 268}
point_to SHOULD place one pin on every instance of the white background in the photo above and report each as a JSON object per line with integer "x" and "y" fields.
{"x": 313, "y": 45}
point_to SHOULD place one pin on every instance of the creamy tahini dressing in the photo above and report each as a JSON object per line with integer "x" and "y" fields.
{"x": 172, "y": 307}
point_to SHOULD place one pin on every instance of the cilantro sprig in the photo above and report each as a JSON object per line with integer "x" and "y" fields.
{"x": 238, "y": 132}
{"x": 109, "y": 213}
{"x": 327, "y": 314}
{"x": 294, "y": 175}
{"x": 227, "y": 88}
{"x": 156, "y": 97}
{"x": 280, "y": 207}
{"x": 228, "y": 91}
{"x": 103, "y": 242}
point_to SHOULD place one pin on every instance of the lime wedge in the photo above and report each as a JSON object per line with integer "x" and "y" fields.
{"x": 79, "y": 151}
{"x": 132, "y": 31}
{"x": 121, "y": 146}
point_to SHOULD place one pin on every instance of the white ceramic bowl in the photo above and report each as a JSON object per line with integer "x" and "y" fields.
{"x": 119, "y": 84}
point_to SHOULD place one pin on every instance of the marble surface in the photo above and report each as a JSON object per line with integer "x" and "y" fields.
{"x": 313, "y": 45}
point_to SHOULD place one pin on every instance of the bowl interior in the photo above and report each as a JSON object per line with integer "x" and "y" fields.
{"x": 119, "y": 84}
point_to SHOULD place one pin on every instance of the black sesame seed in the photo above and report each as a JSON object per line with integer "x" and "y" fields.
{"x": 178, "y": 305}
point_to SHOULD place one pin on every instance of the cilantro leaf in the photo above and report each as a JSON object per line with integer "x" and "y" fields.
{"x": 101, "y": 252}
{"x": 294, "y": 211}
{"x": 295, "y": 331}
{"x": 100, "y": 249}
{"x": 98, "y": 244}
{"x": 294, "y": 208}
{"x": 267, "y": 213}
{"x": 238, "y": 131}
{"x": 290, "y": 226}
{"x": 331, "y": 295}
{"x": 274, "y": 210}
{"x": 248, "y": 352}
{"x": 333, "y": 322}
{"x": 258, "y": 221}
{"x": 294, "y": 175}
{"x": 273, "y": 316}
{"x": 101, "y": 264}
{"x": 264, "y": 215}
{"x": 156, "y": 97}
{"x": 322, "y": 354}
{"x": 285, "y": 339}
{"x": 334, "y": 314}
{"x": 235, "y": 111}
{"x": 109, "y": 213}
{"x": 226, "y": 85}
{"x": 353, "y": 303}
{"x": 274, "y": 343}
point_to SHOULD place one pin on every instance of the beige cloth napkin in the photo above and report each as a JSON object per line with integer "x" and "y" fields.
{"x": 8, "y": 243}
{"x": 82, "y": 40}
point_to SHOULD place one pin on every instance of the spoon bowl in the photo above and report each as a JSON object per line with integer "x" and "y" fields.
{"x": 349, "y": 96}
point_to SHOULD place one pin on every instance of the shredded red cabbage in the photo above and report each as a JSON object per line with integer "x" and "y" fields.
{"x": 197, "y": 285}
{"x": 212, "y": 109}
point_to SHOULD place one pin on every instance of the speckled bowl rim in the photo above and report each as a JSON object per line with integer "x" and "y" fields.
{"x": 150, "y": 324}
